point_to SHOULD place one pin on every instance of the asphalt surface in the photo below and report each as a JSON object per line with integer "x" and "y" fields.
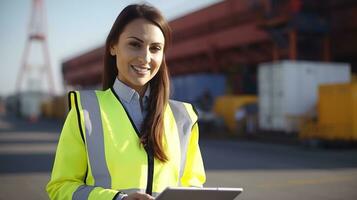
{"x": 265, "y": 170}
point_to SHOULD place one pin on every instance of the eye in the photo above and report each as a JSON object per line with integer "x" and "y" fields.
{"x": 155, "y": 48}
{"x": 135, "y": 44}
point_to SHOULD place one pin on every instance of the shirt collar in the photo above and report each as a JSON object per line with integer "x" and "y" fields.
{"x": 127, "y": 93}
{"x": 146, "y": 95}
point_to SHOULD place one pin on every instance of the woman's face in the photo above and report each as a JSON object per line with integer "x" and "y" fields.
{"x": 139, "y": 53}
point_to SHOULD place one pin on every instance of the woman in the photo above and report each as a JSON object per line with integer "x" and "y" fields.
{"x": 128, "y": 141}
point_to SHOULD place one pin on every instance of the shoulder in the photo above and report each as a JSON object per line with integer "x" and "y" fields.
{"x": 76, "y": 97}
{"x": 183, "y": 109}
{"x": 83, "y": 93}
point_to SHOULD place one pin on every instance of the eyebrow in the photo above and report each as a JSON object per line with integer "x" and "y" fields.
{"x": 140, "y": 40}
{"x": 136, "y": 39}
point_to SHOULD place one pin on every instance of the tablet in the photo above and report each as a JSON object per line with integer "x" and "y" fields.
{"x": 179, "y": 193}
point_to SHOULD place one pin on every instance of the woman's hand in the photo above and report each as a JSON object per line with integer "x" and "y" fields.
{"x": 138, "y": 196}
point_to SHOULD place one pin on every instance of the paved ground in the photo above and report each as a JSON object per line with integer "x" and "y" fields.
{"x": 264, "y": 170}
{"x": 271, "y": 171}
{"x": 26, "y": 157}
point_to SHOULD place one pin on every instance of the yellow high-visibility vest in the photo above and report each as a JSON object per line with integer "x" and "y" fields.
{"x": 99, "y": 151}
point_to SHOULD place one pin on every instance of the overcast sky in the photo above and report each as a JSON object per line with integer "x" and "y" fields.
{"x": 73, "y": 27}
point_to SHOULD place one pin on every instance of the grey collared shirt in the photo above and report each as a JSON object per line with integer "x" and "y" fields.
{"x": 131, "y": 101}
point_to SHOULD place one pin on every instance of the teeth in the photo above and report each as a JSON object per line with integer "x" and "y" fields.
{"x": 140, "y": 69}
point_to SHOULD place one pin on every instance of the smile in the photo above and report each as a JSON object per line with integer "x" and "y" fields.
{"x": 140, "y": 70}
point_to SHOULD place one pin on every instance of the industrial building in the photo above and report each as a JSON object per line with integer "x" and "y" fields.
{"x": 232, "y": 37}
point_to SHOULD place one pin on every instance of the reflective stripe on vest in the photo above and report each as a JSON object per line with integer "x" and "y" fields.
{"x": 95, "y": 138}
{"x": 184, "y": 130}
{"x": 82, "y": 192}
{"x": 95, "y": 144}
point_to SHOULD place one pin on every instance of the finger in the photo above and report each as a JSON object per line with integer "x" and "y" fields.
{"x": 143, "y": 196}
{"x": 139, "y": 196}
{"x": 148, "y": 197}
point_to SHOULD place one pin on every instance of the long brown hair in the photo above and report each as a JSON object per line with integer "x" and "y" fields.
{"x": 153, "y": 125}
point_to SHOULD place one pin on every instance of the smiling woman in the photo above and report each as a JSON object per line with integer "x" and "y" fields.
{"x": 139, "y": 53}
{"x": 128, "y": 141}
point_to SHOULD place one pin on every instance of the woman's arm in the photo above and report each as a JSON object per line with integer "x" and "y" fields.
{"x": 70, "y": 167}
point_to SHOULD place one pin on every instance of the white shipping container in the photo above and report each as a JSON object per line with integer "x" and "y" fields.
{"x": 288, "y": 90}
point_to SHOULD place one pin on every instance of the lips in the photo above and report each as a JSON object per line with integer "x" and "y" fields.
{"x": 140, "y": 70}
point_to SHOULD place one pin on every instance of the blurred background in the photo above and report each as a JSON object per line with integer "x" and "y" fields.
{"x": 274, "y": 83}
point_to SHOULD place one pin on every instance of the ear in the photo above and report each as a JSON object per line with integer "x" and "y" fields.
{"x": 112, "y": 50}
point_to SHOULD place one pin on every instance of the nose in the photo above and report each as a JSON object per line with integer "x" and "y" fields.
{"x": 145, "y": 56}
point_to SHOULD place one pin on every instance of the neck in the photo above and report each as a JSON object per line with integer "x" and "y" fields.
{"x": 140, "y": 90}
